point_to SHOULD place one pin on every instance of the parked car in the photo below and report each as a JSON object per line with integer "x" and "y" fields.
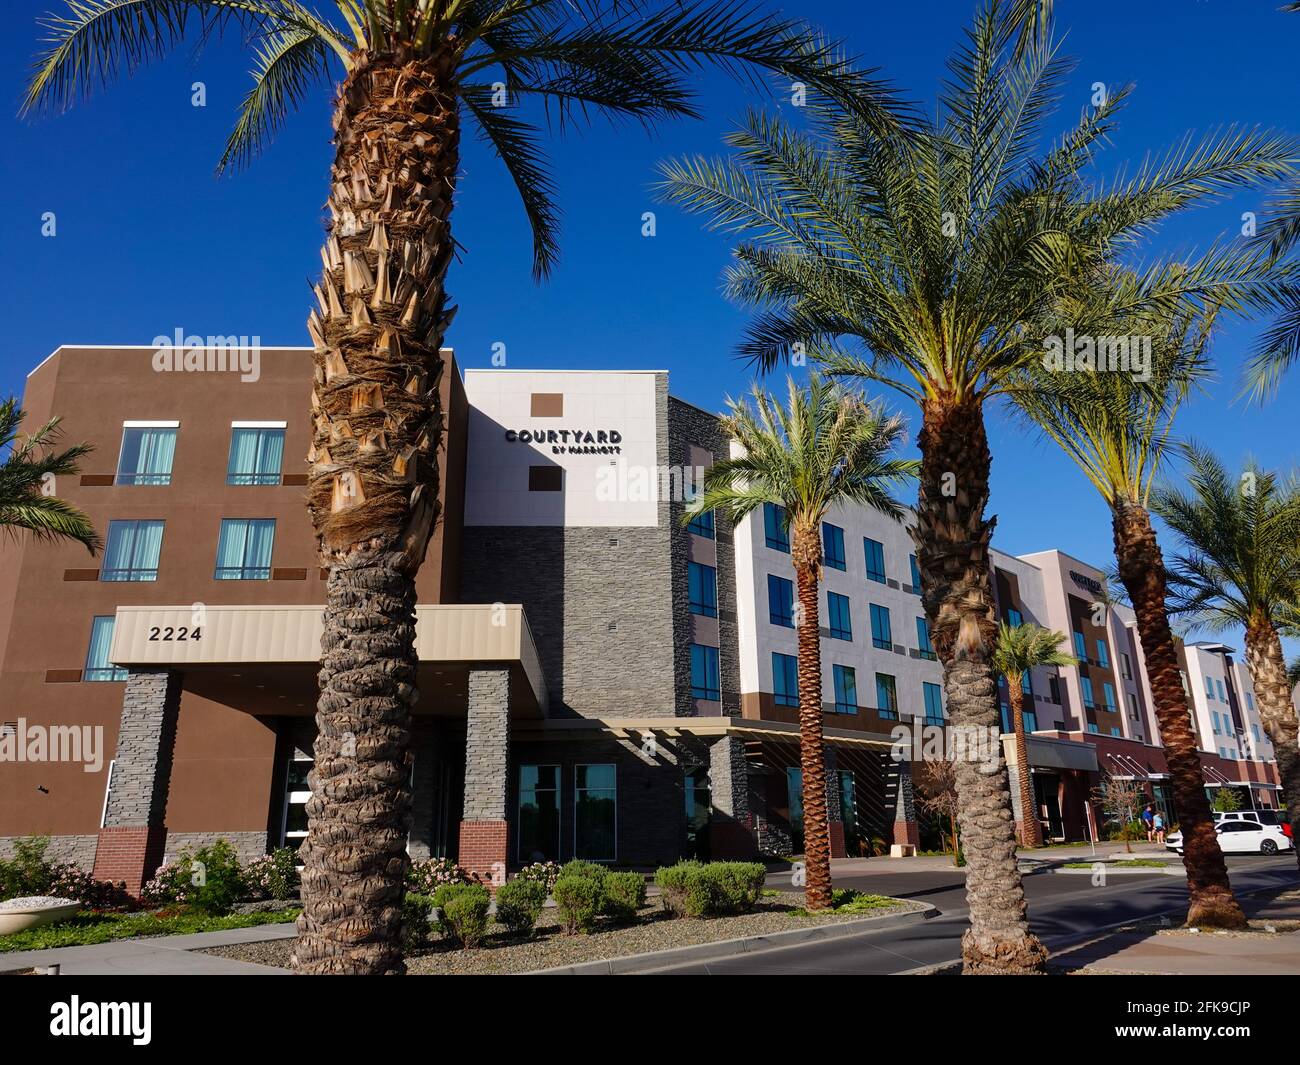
{"x": 1263, "y": 817}
{"x": 1240, "y": 836}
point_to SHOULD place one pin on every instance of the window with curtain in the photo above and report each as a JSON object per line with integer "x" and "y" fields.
{"x": 244, "y": 549}
{"x": 98, "y": 667}
{"x": 131, "y": 551}
{"x": 785, "y": 679}
{"x": 256, "y": 455}
{"x": 147, "y": 453}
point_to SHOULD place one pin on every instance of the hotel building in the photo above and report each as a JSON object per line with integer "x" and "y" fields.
{"x": 598, "y": 678}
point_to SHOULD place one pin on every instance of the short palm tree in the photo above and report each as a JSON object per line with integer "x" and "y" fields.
{"x": 1240, "y": 566}
{"x": 1118, "y": 430}
{"x": 920, "y": 257}
{"x": 826, "y": 446}
{"x": 29, "y": 467}
{"x": 1019, "y": 649}
{"x": 414, "y": 73}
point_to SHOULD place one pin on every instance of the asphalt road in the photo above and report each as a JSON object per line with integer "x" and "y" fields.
{"x": 1062, "y": 910}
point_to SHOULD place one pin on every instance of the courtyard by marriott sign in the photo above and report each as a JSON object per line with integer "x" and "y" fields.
{"x": 570, "y": 441}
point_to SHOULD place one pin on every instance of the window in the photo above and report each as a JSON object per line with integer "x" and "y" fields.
{"x": 846, "y": 689}
{"x": 595, "y": 820}
{"x": 882, "y": 634}
{"x": 132, "y": 551}
{"x": 1007, "y": 724}
{"x": 1219, "y": 685}
{"x": 1108, "y": 694}
{"x": 1250, "y": 702}
{"x": 244, "y": 549}
{"x": 1014, "y": 617}
{"x": 297, "y": 792}
{"x": 1027, "y": 683}
{"x": 1030, "y": 719}
{"x": 545, "y": 479}
{"x": 703, "y": 582}
{"x": 98, "y": 667}
{"x": 256, "y": 454}
{"x": 833, "y": 546}
{"x": 1054, "y": 689}
{"x": 875, "y": 556}
{"x": 1092, "y": 727}
{"x": 838, "y": 621}
{"x": 147, "y": 453}
{"x": 916, "y": 574}
{"x": 539, "y": 813}
{"x": 933, "y": 695}
{"x": 1080, "y": 647}
{"x": 1102, "y": 655}
{"x": 887, "y": 696}
{"x": 923, "y": 640}
{"x": 780, "y": 601}
{"x": 1254, "y": 731}
{"x": 1114, "y": 730}
{"x": 702, "y": 524}
{"x": 1125, "y": 666}
{"x": 1132, "y": 706}
{"x": 1088, "y": 700}
{"x": 785, "y": 679}
{"x": 776, "y": 529}
{"x": 705, "y": 683}
{"x": 1214, "y": 717}
{"x": 1209, "y": 687}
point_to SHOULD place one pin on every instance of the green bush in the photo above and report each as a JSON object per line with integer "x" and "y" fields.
{"x": 208, "y": 879}
{"x": 519, "y": 904}
{"x": 586, "y": 870}
{"x": 711, "y": 890}
{"x": 463, "y": 912}
{"x": 673, "y": 882}
{"x": 27, "y": 872}
{"x": 273, "y": 876}
{"x": 624, "y": 894}
{"x": 580, "y": 900}
{"x": 417, "y": 911}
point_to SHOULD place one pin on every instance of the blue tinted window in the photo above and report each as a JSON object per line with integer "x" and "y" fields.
{"x": 933, "y": 703}
{"x": 875, "y": 556}
{"x": 886, "y": 696}
{"x": 785, "y": 679}
{"x": 780, "y": 601}
{"x": 833, "y": 546}
{"x": 837, "y": 615}
{"x": 846, "y": 689}
{"x": 923, "y": 640}
{"x": 704, "y": 672}
{"x": 882, "y": 633}
{"x": 776, "y": 531}
{"x": 703, "y": 582}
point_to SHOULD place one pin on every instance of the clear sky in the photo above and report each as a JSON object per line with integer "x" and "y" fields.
{"x": 149, "y": 240}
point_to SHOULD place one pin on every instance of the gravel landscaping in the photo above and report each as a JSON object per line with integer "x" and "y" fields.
{"x": 549, "y": 947}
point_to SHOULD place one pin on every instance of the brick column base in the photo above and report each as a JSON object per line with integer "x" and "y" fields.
{"x": 130, "y": 854}
{"x": 907, "y": 832}
{"x": 837, "y": 840}
{"x": 483, "y": 846}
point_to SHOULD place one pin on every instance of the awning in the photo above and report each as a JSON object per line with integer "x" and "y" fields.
{"x": 705, "y": 727}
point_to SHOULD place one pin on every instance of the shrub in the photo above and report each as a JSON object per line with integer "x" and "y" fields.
{"x": 580, "y": 900}
{"x": 29, "y": 872}
{"x": 673, "y": 881}
{"x": 519, "y": 904}
{"x": 71, "y": 882}
{"x": 463, "y": 912}
{"x": 740, "y": 884}
{"x": 427, "y": 876}
{"x": 274, "y": 875}
{"x": 544, "y": 873}
{"x": 624, "y": 894}
{"x": 417, "y": 910}
{"x": 208, "y": 879}
{"x": 584, "y": 869}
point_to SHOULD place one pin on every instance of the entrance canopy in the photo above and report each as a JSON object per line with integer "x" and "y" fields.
{"x": 263, "y": 659}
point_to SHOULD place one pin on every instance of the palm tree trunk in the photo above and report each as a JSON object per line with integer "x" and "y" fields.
{"x": 1142, "y": 569}
{"x": 373, "y": 491}
{"x": 1031, "y": 832}
{"x": 952, "y": 553}
{"x": 1276, "y": 711}
{"x": 806, "y": 553}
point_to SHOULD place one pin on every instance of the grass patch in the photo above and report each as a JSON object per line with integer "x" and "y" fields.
{"x": 1127, "y": 863}
{"x": 846, "y": 900}
{"x": 88, "y": 928}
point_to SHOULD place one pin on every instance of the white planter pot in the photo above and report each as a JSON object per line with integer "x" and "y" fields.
{"x": 12, "y": 921}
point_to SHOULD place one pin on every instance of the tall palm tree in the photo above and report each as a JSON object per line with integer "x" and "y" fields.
{"x": 1118, "y": 431}
{"x": 413, "y": 72}
{"x": 826, "y": 446}
{"x": 919, "y": 257}
{"x": 29, "y": 466}
{"x": 1240, "y": 566}
{"x": 1019, "y": 649}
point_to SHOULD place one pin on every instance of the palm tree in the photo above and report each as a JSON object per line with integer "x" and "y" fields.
{"x": 826, "y": 446}
{"x": 919, "y": 257}
{"x": 1118, "y": 430}
{"x": 1240, "y": 566}
{"x": 27, "y": 473}
{"x": 1019, "y": 649}
{"x": 413, "y": 72}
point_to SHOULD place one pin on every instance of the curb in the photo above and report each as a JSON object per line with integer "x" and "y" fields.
{"x": 1169, "y": 869}
{"x": 730, "y": 948}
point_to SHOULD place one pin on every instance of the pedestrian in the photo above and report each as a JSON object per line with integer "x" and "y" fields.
{"x": 1149, "y": 822}
{"x": 1158, "y": 826}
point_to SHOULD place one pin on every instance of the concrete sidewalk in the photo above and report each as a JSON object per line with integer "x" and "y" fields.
{"x": 1185, "y": 953}
{"x": 159, "y": 956}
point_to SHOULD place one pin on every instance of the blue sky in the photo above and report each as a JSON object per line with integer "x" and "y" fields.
{"x": 148, "y": 239}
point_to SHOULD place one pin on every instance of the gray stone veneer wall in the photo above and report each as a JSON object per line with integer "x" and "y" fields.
{"x": 145, "y": 742}
{"x": 248, "y": 845}
{"x": 487, "y": 739}
{"x": 69, "y": 850}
